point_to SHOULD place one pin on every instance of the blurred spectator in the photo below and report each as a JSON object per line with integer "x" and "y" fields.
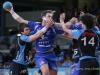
{"x": 6, "y": 65}
{"x": 1, "y": 38}
{"x": 12, "y": 36}
{"x": 1, "y": 60}
{"x": 4, "y": 43}
{"x": 12, "y": 51}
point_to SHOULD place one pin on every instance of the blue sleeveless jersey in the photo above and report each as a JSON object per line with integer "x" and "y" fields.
{"x": 46, "y": 42}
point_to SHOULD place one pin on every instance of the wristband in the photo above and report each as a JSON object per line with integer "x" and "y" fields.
{"x": 44, "y": 29}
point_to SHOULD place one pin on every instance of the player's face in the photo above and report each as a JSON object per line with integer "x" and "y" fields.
{"x": 48, "y": 18}
{"x": 26, "y": 31}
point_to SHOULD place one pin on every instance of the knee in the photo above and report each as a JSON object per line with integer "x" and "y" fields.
{"x": 45, "y": 70}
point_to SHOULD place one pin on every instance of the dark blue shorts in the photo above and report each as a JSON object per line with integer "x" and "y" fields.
{"x": 40, "y": 61}
{"x": 16, "y": 68}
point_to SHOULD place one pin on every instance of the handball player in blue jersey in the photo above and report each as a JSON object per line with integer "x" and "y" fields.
{"x": 88, "y": 42}
{"x": 45, "y": 57}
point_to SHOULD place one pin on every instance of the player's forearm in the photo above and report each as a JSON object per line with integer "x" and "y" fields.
{"x": 38, "y": 34}
{"x": 68, "y": 24}
{"x": 67, "y": 36}
{"x": 59, "y": 25}
{"x": 17, "y": 17}
{"x": 65, "y": 29}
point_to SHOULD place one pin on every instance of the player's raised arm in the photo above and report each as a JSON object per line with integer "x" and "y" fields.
{"x": 65, "y": 29}
{"x": 71, "y": 33}
{"x": 37, "y": 34}
{"x": 9, "y": 7}
{"x": 17, "y": 17}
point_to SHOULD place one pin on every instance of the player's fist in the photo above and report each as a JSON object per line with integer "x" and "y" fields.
{"x": 7, "y": 6}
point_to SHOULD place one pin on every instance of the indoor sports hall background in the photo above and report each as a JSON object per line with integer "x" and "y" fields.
{"x": 31, "y": 9}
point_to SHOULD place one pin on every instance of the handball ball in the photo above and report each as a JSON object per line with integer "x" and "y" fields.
{"x": 7, "y": 5}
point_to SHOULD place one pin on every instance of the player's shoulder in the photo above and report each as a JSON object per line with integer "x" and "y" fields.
{"x": 33, "y": 22}
{"x": 88, "y": 40}
{"x": 22, "y": 37}
{"x": 88, "y": 33}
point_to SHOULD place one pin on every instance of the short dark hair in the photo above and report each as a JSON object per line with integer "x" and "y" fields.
{"x": 45, "y": 12}
{"x": 88, "y": 20}
{"x": 21, "y": 27}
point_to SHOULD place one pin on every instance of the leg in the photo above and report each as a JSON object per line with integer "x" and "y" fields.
{"x": 23, "y": 69}
{"x": 75, "y": 69}
{"x": 45, "y": 69}
{"x": 53, "y": 67}
{"x": 53, "y": 72}
{"x": 15, "y": 69}
{"x": 43, "y": 65}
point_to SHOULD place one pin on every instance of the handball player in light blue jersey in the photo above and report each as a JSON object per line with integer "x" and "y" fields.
{"x": 23, "y": 48}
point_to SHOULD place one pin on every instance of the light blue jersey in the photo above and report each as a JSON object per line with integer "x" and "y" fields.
{"x": 77, "y": 33}
{"x": 76, "y": 29}
{"x": 23, "y": 48}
